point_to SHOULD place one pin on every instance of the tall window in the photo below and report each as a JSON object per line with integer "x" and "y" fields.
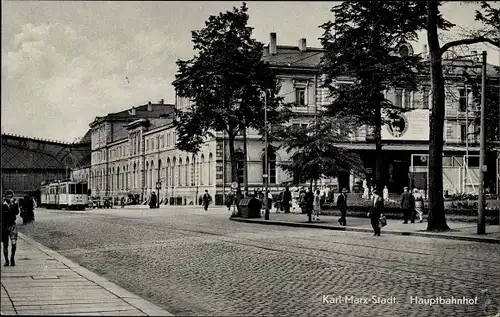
{"x": 271, "y": 156}
{"x": 399, "y": 97}
{"x": 181, "y": 177}
{"x": 462, "y": 101}
{"x": 188, "y": 169}
{"x": 173, "y": 176}
{"x": 134, "y": 183}
{"x": 152, "y": 176}
{"x": 240, "y": 165}
{"x": 210, "y": 163}
{"x": 300, "y": 96}
{"x": 167, "y": 173}
{"x": 407, "y": 99}
{"x": 159, "y": 171}
{"x": 193, "y": 172}
{"x": 463, "y": 132}
{"x": 146, "y": 175}
{"x": 202, "y": 172}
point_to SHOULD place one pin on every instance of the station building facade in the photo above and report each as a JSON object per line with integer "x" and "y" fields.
{"x": 133, "y": 151}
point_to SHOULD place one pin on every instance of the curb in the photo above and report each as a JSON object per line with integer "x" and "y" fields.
{"x": 130, "y": 298}
{"x": 357, "y": 229}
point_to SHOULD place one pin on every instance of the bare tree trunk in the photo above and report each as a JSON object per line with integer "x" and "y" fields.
{"x": 436, "y": 218}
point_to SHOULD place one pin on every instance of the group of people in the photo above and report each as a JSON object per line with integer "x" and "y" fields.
{"x": 411, "y": 204}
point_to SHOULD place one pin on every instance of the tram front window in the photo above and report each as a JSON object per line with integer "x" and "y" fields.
{"x": 72, "y": 189}
{"x": 79, "y": 189}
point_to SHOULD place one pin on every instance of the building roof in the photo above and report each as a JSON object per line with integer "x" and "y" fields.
{"x": 291, "y": 56}
{"x": 157, "y": 110}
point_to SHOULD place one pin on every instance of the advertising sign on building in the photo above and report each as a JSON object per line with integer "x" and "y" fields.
{"x": 408, "y": 126}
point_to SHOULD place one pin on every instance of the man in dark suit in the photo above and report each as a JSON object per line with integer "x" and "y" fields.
{"x": 407, "y": 203}
{"x": 287, "y": 200}
{"x": 377, "y": 205}
{"x": 342, "y": 206}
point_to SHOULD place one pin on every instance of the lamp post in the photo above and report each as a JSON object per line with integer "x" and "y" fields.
{"x": 266, "y": 171}
{"x": 481, "y": 227}
{"x": 158, "y": 188}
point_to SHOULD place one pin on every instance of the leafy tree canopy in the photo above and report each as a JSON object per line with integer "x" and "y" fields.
{"x": 224, "y": 82}
{"x": 315, "y": 153}
{"x": 362, "y": 43}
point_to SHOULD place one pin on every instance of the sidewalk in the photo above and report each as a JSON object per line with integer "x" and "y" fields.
{"x": 460, "y": 230}
{"x": 45, "y": 283}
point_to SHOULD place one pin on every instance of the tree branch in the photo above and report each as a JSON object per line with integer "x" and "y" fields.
{"x": 474, "y": 40}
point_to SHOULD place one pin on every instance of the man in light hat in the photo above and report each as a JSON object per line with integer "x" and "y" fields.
{"x": 342, "y": 206}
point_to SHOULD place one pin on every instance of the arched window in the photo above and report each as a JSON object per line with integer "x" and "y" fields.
{"x": 167, "y": 174}
{"x": 271, "y": 156}
{"x": 133, "y": 177}
{"x": 240, "y": 165}
{"x": 210, "y": 172}
{"x": 193, "y": 171}
{"x": 146, "y": 175}
{"x": 159, "y": 173}
{"x": 201, "y": 170}
{"x": 188, "y": 174}
{"x": 151, "y": 176}
{"x": 181, "y": 176}
{"x": 118, "y": 177}
{"x": 174, "y": 171}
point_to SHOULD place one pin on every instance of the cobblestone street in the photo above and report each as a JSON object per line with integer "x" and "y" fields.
{"x": 195, "y": 262}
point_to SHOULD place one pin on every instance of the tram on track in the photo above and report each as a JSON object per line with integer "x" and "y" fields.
{"x": 67, "y": 194}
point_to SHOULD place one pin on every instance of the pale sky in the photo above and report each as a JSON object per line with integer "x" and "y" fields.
{"x": 64, "y": 63}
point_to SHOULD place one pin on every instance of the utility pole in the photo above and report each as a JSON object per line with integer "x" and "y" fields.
{"x": 481, "y": 227}
{"x": 266, "y": 175}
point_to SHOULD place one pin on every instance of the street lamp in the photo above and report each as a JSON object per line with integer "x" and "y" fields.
{"x": 266, "y": 171}
{"x": 158, "y": 188}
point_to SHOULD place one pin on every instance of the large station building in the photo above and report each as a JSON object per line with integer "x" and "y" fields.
{"x": 133, "y": 151}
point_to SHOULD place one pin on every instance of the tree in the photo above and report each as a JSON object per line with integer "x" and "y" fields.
{"x": 363, "y": 44}
{"x": 315, "y": 154}
{"x": 435, "y": 21}
{"x": 224, "y": 84}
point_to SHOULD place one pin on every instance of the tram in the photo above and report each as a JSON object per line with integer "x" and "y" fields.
{"x": 68, "y": 194}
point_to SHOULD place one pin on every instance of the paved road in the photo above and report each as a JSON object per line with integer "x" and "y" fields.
{"x": 192, "y": 262}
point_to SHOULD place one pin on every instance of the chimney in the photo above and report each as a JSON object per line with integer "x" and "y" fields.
{"x": 161, "y": 102}
{"x": 150, "y": 106}
{"x": 272, "y": 44}
{"x": 302, "y": 45}
{"x": 132, "y": 111}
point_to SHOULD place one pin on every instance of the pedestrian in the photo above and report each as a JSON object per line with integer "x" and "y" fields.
{"x": 302, "y": 201}
{"x": 386, "y": 193}
{"x": 229, "y": 200}
{"x": 317, "y": 205}
{"x": 206, "y": 199}
{"x": 419, "y": 203}
{"x": 10, "y": 210}
{"x": 269, "y": 197}
{"x": 152, "y": 201}
{"x": 377, "y": 205}
{"x": 407, "y": 203}
{"x": 287, "y": 200}
{"x": 308, "y": 202}
{"x": 342, "y": 206}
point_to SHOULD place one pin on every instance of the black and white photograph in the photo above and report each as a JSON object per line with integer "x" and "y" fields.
{"x": 260, "y": 158}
